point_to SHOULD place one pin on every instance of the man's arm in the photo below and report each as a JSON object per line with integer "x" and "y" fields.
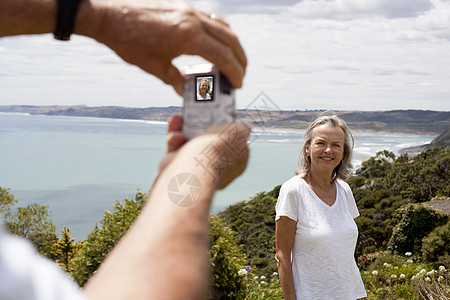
{"x": 27, "y": 16}
{"x": 146, "y": 33}
{"x": 165, "y": 253}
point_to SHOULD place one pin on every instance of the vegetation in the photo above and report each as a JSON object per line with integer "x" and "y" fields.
{"x": 254, "y": 222}
{"x": 403, "y": 250}
{"x": 31, "y": 222}
{"x": 64, "y": 250}
{"x": 101, "y": 240}
{"x": 227, "y": 259}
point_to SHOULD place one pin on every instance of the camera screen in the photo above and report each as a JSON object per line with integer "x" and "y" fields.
{"x": 205, "y": 88}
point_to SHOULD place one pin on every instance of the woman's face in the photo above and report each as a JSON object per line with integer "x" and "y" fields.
{"x": 204, "y": 86}
{"x": 326, "y": 148}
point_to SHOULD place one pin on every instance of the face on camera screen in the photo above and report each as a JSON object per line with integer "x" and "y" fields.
{"x": 205, "y": 86}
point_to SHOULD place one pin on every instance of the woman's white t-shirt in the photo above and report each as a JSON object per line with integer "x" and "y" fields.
{"x": 323, "y": 263}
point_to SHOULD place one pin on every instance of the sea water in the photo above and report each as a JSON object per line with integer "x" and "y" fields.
{"x": 80, "y": 166}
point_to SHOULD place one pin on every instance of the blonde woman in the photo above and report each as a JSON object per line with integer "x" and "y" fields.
{"x": 204, "y": 90}
{"x": 315, "y": 231}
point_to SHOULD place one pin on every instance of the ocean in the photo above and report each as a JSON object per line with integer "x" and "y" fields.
{"x": 80, "y": 166}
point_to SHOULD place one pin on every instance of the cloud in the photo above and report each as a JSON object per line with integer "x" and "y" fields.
{"x": 342, "y": 54}
{"x": 327, "y": 9}
{"x": 245, "y": 7}
{"x": 351, "y": 9}
{"x": 348, "y": 55}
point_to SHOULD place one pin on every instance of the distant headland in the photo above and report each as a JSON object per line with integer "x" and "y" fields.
{"x": 399, "y": 121}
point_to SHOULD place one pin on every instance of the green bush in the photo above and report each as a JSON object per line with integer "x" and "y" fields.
{"x": 227, "y": 259}
{"x": 262, "y": 287}
{"x": 416, "y": 222}
{"x": 394, "y": 277}
{"x": 101, "y": 240}
{"x": 437, "y": 244}
{"x": 254, "y": 222}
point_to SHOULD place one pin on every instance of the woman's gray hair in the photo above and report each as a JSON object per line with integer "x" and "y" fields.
{"x": 345, "y": 168}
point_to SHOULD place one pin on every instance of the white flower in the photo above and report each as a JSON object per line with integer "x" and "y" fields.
{"x": 408, "y": 254}
{"x": 375, "y": 273}
{"x": 409, "y": 261}
{"x": 274, "y": 274}
{"x": 440, "y": 278}
{"x": 393, "y": 276}
{"x": 422, "y": 272}
{"x": 441, "y": 269}
{"x": 431, "y": 273}
{"x": 402, "y": 276}
{"x": 263, "y": 277}
{"x": 242, "y": 272}
{"x": 428, "y": 279}
{"x": 263, "y": 282}
{"x": 255, "y": 278}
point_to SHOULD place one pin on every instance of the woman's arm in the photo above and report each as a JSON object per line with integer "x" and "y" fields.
{"x": 285, "y": 233}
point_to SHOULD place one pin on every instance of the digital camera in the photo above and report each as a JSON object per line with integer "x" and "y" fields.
{"x": 208, "y": 99}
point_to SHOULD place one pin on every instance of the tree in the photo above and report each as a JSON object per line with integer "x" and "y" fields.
{"x": 32, "y": 222}
{"x": 65, "y": 249}
{"x": 375, "y": 167}
{"x": 101, "y": 240}
{"x": 421, "y": 178}
{"x": 6, "y": 201}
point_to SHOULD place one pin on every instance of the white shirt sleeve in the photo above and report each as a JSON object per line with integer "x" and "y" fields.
{"x": 287, "y": 203}
{"x": 352, "y": 208}
{"x": 26, "y": 275}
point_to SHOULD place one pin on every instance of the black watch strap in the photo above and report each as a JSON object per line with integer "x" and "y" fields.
{"x": 67, "y": 10}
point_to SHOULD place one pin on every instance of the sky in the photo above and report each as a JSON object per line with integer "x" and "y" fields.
{"x": 303, "y": 55}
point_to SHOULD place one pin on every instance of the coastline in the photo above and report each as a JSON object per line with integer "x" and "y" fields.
{"x": 256, "y": 127}
{"x": 379, "y": 122}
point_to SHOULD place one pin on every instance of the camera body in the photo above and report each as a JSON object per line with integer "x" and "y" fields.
{"x": 208, "y": 99}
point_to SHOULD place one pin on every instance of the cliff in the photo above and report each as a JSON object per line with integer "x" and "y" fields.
{"x": 442, "y": 140}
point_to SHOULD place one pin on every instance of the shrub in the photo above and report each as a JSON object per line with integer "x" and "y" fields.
{"x": 416, "y": 222}
{"x": 101, "y": 240}
{"x": 227, "y": 259}
{"x": 437, "y": 244}
{"x": 394, "y": 277}
{"x": 261, "y": 287}
{"x": 254, "y": 222}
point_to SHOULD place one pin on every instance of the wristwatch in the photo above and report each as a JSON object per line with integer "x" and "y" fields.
{"x": 66, "y": 12}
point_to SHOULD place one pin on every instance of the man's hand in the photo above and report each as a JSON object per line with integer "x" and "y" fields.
{"x": 151, "y": 33}
{"x": 221, "y": 151}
